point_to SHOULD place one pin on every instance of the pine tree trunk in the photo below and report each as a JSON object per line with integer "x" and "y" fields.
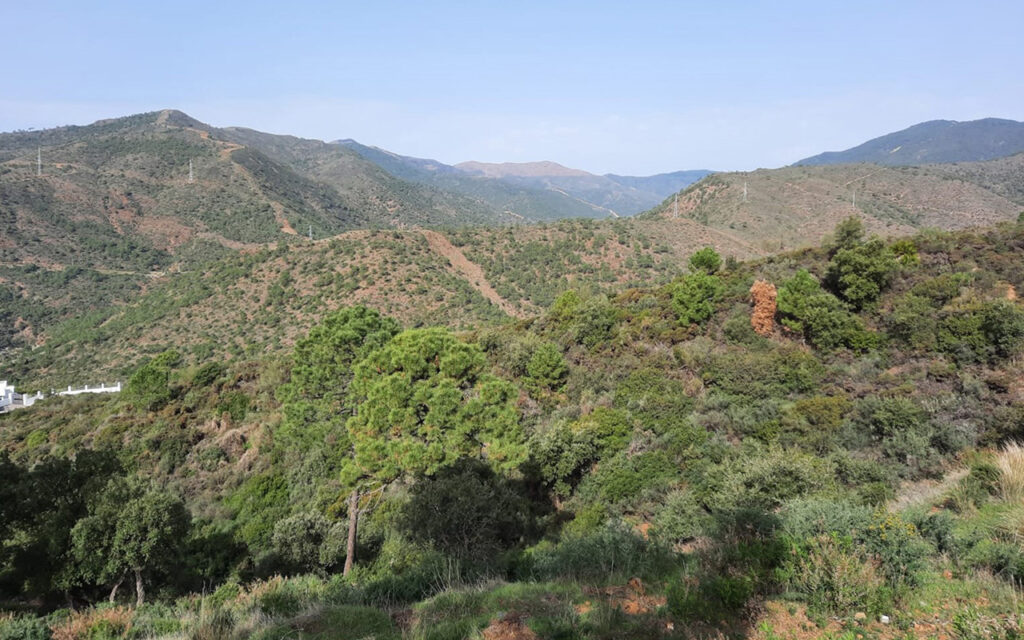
{"x": 140, "y": 593}
{"x": 117, "y": 585}
{"x": 353, "y": 523}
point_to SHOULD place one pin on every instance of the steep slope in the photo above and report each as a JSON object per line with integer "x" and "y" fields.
{"x": 119, "y": 194}
{"x": 776, "y": 209}
{"x": 932, "y": 142}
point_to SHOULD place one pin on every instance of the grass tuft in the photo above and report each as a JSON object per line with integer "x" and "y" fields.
{"x": 1011, "y": 466}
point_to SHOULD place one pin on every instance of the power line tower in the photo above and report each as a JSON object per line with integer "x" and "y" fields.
{"x": 744, "y": 192}
{"x": 39, "y": 161}
{"x": 676, "y": 211}
{"x": 191, "y": 178}
{"x": 311, "y": 233}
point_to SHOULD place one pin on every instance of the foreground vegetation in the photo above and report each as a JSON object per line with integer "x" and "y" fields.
{"x": 640, "y": 465}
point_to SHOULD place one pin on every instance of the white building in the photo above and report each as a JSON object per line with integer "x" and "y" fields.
{"x": 11, "y": 399}
{"x": 6, "y": 395}
{"x": 103, "y": 388}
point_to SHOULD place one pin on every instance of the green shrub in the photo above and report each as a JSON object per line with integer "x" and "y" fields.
{"x": 682, "y": 517}
{"x": 763, "y": 374}
{"x": 860, "y": 274}
{"x": 706, "y": 260}
{"x": 832, "y": 577}
{"x": 547, "y": 367}
{"x": 24, "y": 628}
{"x": 624, "y": 477}
{"x": 982, "y": 332}
{"x": 300, "y": 540}
{"x": 913, "y": 322}
{"x": 208, "y": 374}
{"x": 902, "y": 429}
{"x": 149, "y": 387}
{"x": 565, "y": 452}
{"x": 235, "y": 404}
{"x": 808, "y": 518}
{"x": 1003, "y": 558}
{"x": 694, "y": 297}
{"x": 938, "y": 528}
{"x": 764, "y": 480}
{"x": 593, "y": 322}
{"x": 601, "y": 556}
{"x": 898, "y": 547}
{"x": 714, "y": 599}
{"x": 737, "y": 567}
{"x": 656, "y": 401}
{"x": 804, "y": 307}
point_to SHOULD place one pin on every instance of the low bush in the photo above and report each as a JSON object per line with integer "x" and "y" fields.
{"x": 610, "y": 553}
{"x": 24, "y": 628}
{"x": 833, "y": 578}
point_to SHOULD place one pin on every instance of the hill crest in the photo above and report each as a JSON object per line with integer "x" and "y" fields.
{"x": 934, "y": 141}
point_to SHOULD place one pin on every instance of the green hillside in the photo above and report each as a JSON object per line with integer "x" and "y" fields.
{"x": 117, "y": 195}
{"x": 67, "y": 325}
{"x": 797, "y": 206}
{"x": 636, "y": 463}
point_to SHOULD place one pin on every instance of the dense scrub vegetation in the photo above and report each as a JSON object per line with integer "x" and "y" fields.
{"x": 631, "y": 464}
{"x": 77, "y": 324}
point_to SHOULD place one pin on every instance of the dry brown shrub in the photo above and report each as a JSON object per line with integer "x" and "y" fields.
{"x": 81, "y": 623}
{"x": 763, "y": 319}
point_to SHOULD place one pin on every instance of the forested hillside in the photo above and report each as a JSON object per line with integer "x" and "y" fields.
{"x": 812, "y": 444}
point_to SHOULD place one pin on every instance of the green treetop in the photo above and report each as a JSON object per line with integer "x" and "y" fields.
{"x": 314, "y": 401}
{"x": 706, "y": 260}
{"x": 425, "y": 401}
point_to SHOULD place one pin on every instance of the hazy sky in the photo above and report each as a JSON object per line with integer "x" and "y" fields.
{"x": 624, "y": 87}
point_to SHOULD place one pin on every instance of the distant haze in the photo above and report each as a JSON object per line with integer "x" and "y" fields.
{"x": 630, "y": 89}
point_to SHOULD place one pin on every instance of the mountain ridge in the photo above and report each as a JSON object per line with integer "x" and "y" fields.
{"x": 933, "y": 141}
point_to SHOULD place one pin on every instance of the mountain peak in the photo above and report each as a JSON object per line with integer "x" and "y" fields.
{"x": 934, "y": 141}
{"x": 541, "y": 169}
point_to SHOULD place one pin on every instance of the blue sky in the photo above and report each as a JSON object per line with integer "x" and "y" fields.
{"x": 632, "y": 88}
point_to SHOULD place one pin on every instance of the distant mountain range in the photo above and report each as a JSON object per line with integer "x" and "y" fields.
{"x": 536, "y": 190}
{"x": 137, "y": 193}
{"x": 131, "y": 192}
{"x": 936, "y": 141}
{"x": 157, "y": 230}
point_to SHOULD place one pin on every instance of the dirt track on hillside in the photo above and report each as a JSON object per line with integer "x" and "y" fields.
{"x": 468, "y": 270}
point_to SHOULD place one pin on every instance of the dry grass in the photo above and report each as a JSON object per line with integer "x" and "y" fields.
{"x": 116, "y": 622}
{"x": 1011, "y": 466}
